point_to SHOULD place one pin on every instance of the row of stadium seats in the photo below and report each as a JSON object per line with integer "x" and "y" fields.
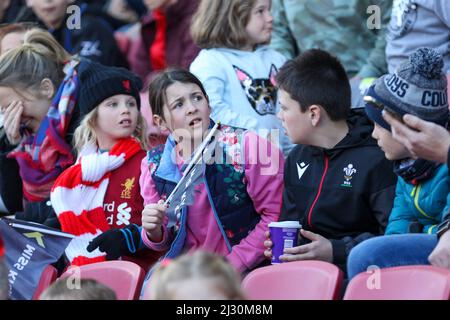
{"x": 301, "y": 280}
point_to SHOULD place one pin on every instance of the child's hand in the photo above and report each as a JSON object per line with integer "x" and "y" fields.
{"x": 320, "y": 248}
{"x": 268, "y": 244}
{"x": 152, "y": 220}
{"x": 11, "y": 121}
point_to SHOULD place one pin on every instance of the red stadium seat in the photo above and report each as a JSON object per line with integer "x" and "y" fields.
{"x": 48, "y": 276}
{"x": 124, "y": 277}
{"x": 401, "y": 283}
{"x": 299, "y": 280}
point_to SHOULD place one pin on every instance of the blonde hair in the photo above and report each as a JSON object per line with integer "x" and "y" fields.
{"x": 85, "y": 132}
{"x": 221, "y": 23}
{"x": 40, "y": 57}
{"x": 199, "y": 265}
{"x": 89, "y": 289}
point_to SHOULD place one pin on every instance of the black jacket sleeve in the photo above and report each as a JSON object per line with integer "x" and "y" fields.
{"x": 40, "y": 212}
{"x": 10, "y": 181}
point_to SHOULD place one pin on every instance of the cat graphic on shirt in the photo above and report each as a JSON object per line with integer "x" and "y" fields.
{"x": 260, "y": 92}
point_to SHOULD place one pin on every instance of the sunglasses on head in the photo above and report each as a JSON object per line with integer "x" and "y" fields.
{"x": 379, "y": 106}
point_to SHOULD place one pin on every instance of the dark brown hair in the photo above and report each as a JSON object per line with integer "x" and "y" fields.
{"x": 317, "y": 77}
{"x": 157, "y": 90}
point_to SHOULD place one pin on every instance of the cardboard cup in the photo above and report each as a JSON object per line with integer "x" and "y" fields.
{"x": 283, "y": 235}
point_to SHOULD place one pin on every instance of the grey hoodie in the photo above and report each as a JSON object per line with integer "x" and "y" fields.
{"x": 415, "y": 24}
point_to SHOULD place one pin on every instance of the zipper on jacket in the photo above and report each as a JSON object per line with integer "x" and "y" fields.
{"x": 216, "y": 216}
{"x": 415, "y": 193}
{"x": 430, "y": 229}
{"x": 318, "y": 191}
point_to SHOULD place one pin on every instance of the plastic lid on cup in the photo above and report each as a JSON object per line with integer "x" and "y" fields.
{"x": 285, "y": 224}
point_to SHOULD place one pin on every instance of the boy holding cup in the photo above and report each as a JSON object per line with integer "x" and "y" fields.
{"x": 333, "y": 184}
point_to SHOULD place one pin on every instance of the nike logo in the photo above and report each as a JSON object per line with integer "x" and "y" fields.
{"x": 301, "y": 169}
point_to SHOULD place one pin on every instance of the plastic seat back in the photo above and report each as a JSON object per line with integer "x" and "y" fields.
{"x": 401, "y": 283}
{"x": 299, "y": 280}
{"x": 124, "y": 277}
{"x": 48, "y": 276}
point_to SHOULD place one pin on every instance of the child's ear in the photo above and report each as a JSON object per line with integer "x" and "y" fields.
{"x": 159, "y": 122}
{"x": 314, "y": 114}
{"x": 47, "y": 89}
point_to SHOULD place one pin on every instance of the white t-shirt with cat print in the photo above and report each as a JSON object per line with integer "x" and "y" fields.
{"x": 241, "y": 89}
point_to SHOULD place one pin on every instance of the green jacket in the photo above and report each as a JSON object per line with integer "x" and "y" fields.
{"x": 337, "y": 26}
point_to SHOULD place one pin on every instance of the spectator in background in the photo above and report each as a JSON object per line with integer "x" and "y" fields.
{"x": 11, "y": 35}
{"x": 118, "y": 13}
{"x": 164, "y": 39}
{"x": 121, "y": 14}
{"x": 89, "y": 290}
{"x": 340, "y": 27}
{"x": 416, "y": 24}
{"x": 237, "y": 67}
{"x": 9, "y": 9}
{"x": 93, "y": 39}
{"x": 197, "y": 276}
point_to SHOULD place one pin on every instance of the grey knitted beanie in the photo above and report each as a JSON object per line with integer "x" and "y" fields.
{"x": 418, "y": 87}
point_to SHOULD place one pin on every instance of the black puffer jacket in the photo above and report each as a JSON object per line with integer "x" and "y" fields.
{"x": 345, "y": 193}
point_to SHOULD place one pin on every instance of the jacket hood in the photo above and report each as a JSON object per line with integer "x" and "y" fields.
{"x": 360, "y": 134}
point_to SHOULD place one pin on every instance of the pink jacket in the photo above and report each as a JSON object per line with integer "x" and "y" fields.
{"x": 265, "y": 187}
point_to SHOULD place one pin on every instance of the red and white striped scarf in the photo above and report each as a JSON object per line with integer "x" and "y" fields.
{"x": 78, "y": 193}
